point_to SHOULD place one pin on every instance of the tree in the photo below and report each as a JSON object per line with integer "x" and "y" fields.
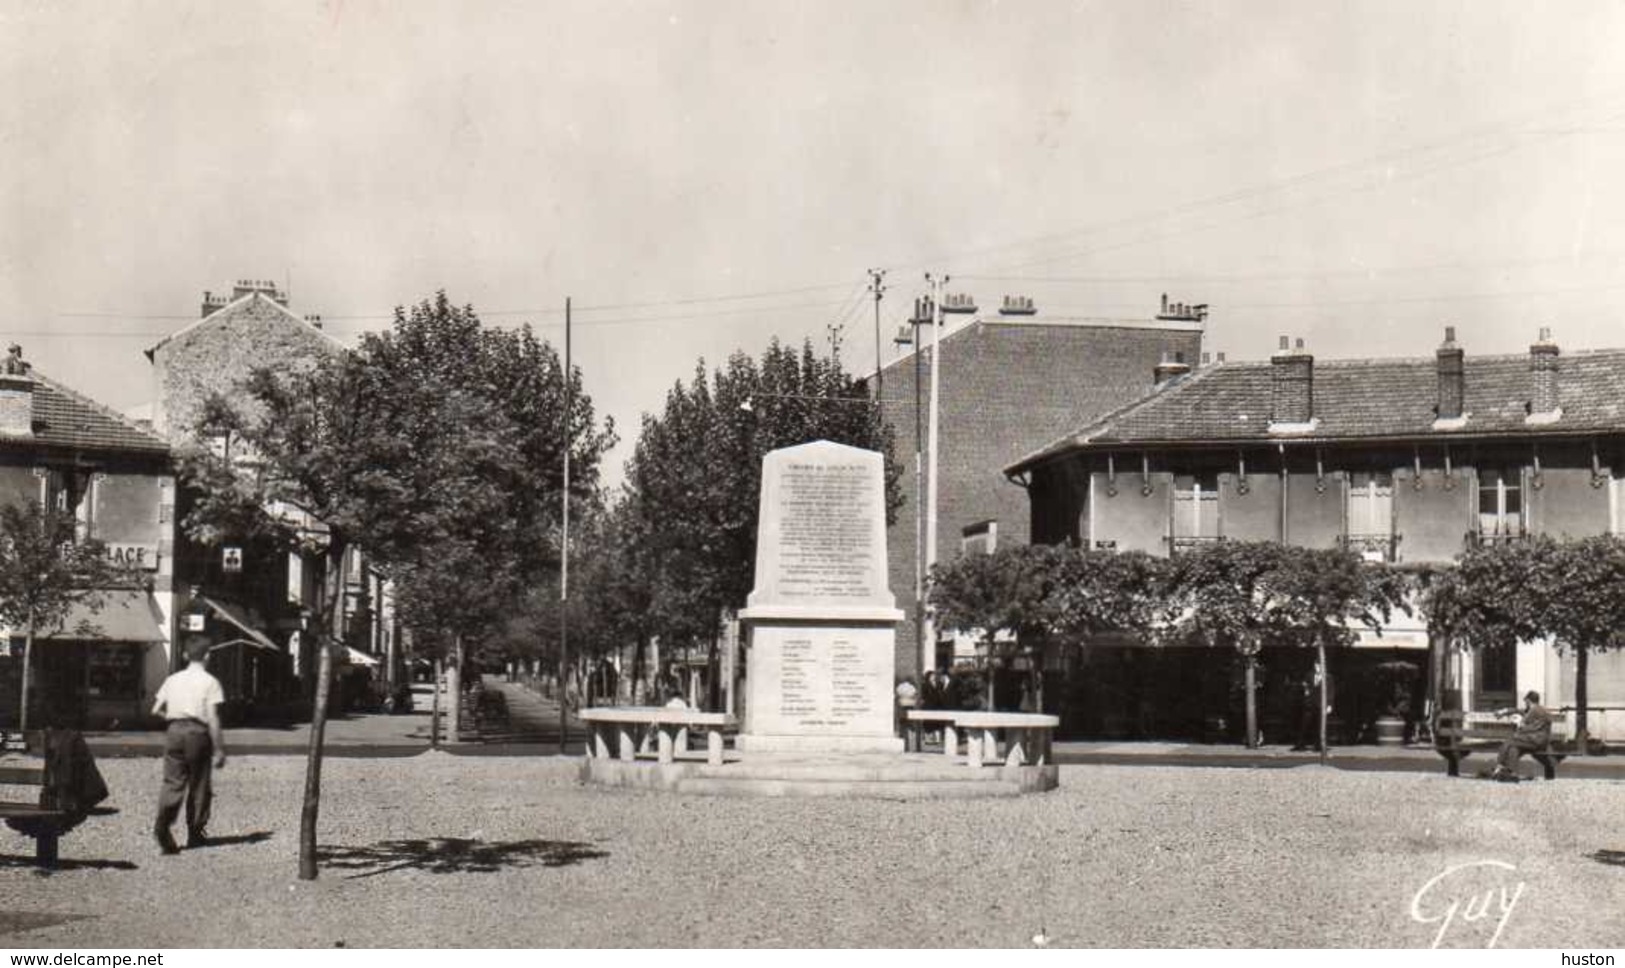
{"x": 45, "y": 570}
{"x": 1317, "y": 595}
{"x": 1220, "y": 595}
{"x": 1572, "y": 592}
{"x": 694, "y": 480}
{"x": 1033, "y": 594}
{"x": 436, "y": 446}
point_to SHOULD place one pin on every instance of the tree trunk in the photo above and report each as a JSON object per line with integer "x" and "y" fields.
{"x": 713, "y": 677}
{"x": 1581, "y": 737}
{"x": 434, "y": 709}
{"x": 454, "y": 692}
{"x": 1250, "y": 684}
{"x": 28, "y": 659}
{"x": 334, "y": 604}
{"x": 1325, "y": 680}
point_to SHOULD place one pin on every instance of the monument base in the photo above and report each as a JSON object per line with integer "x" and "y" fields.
{"x": 772, "y": 743}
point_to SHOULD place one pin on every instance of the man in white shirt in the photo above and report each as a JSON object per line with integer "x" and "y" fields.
{"x": 193, "y": 746}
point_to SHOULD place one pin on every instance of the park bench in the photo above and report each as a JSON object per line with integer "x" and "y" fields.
{"x": 1458, "y": 735}
{"x": 1027, "y": 735}
{"x": 22, "y": 786}
{"x": 670, "y": 724}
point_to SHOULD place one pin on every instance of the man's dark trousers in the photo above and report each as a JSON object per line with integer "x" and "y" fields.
{"x": 188, "y": 768}
{"x": 1513, "y": 750}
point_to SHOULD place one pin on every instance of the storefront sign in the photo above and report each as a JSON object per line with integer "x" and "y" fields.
{"x": 231, "y": 560}
{"x": 143, "y": 557}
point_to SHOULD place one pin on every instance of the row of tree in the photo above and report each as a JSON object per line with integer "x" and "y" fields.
{"x": 1248, "y": 595}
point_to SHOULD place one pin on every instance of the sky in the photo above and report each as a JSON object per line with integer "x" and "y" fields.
{"x": 702, "y": 177}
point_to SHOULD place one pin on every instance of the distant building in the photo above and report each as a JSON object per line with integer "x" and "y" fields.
{"x": 1406, "y": 460}
{"x": 62, "y": 449}
{"x": 1012, "y": 381}
{"x": 252, "y": 599}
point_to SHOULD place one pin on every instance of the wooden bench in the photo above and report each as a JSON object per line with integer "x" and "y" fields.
{"x": 1459, "y": 735}
{"x": 671, "y": 725}
{"x": 1027, "y": 735}
{"x": 21, "y": 782}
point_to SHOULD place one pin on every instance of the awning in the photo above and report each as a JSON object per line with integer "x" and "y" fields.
{"x": 124, "y": 615}
{"x": 239, "y": 622}
{"x": 357, "y": 657}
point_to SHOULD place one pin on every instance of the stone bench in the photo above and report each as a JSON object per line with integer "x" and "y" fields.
{"x": 1027, "y": 735}
{"x": 671, "y": 725}
{"x": 1459, "y": 735}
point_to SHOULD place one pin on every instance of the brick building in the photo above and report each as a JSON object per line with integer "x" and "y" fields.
{"x": 1011, "y": 382}
{"x": 1406, "y": 460}
{"x": 62, "y": 449}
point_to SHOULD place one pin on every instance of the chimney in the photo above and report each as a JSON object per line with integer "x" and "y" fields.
{"x": 1292, "y": 390}
{"x": 1543, "y": 368}
{"x": 16, "y": 396}
{"x": 314, "y": 319}
{"x": 1452, "y": 378}
{"x": 1169, "y": 369}
{"x": 213, "y": 303}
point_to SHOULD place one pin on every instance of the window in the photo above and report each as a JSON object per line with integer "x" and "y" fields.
{"x": 1500, "y": 502}
{"x": 1196, "y": 508}
{"x": 1369, "y": 515}
{"x": 982, "y": 537}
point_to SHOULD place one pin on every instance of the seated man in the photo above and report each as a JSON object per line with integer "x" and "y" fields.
{"x": 1533, "y": 732}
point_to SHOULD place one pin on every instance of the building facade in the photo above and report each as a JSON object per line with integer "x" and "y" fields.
{"x": 1010, "y": 382}
{"x": 1402, "y": 460}
{"x": 252, "y": 598}
{"x": 104, "y": 663}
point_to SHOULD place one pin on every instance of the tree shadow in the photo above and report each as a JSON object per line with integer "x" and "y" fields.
{"x": 257, "y": 837}
{"x": 1614, "y": 857}
{"x": 64, "y": 864}
{"x": 14, "y": 921}
{"x": 455, "y": 855}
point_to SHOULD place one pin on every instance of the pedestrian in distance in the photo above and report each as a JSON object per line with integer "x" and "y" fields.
{"x": 1534, "y": 732}
{"x": 193, "y": 746}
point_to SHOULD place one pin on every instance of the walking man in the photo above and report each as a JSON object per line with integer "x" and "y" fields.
{"x": 193, "y": 746}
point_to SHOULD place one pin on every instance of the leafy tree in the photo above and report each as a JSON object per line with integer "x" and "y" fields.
{"x": 1220, "y": 595}
{"x": 694, "y": 480}
{"x": 1034, "y": 593}
{"x": 437, "y": 446}
{"x": 1570, "y": 591}
{"x": 1318, "y": 595}
{"x": 45, "y": 570}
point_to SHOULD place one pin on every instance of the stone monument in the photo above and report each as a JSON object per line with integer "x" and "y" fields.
{"x": 820, "y": 622}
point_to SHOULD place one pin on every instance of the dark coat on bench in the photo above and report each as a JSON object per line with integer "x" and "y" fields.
{"x": 73, "y": 785}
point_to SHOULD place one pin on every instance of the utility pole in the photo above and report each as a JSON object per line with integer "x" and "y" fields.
{"x": 937, "y": 287}
{"x": 876, "y": 276}
{"x": 927, "y": 659}
{"x": 564, "y": 548}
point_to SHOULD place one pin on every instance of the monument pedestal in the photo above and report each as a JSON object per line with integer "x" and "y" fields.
{"x": 819, "y": 684}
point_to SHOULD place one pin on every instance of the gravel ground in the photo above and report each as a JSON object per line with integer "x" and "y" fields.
{"x": 439, "y": 850}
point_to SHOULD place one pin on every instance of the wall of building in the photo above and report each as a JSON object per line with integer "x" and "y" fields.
{"x": 218, "y": 353}
{"x": 1136, "y": 516}
{"x": 1007, "y": 389}
{"x": 1253, "y": 514}
{"x": 1315, "y": 514}
{"x": 1432, "y": 520}
{"x": 1567, "y": 504}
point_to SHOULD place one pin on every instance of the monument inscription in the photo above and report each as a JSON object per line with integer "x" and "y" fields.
{"x": 825, "y": 540}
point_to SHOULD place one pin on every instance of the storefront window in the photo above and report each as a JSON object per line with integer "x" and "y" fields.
{"x": 113, "y": 672}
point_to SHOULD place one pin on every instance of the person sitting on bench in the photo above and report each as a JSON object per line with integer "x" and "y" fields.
{"x": 1534, "y": 732}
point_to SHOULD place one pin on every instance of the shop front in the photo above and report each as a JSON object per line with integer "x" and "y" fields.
{"x": 98, "y": 670}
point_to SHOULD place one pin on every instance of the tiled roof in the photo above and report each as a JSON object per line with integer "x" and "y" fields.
{"x": 66, "y": 419}
{"x": 1363, "y": 399}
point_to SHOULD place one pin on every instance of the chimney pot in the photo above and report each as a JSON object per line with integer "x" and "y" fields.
{"x": 1285, "y": 343}
{"x": 1543, "y": 370}
{"x": 1452, "y": 380}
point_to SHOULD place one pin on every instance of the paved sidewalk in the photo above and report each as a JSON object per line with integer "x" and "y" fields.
{"x": 353, "y": 734}
{"x": 1406, "y": 759}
